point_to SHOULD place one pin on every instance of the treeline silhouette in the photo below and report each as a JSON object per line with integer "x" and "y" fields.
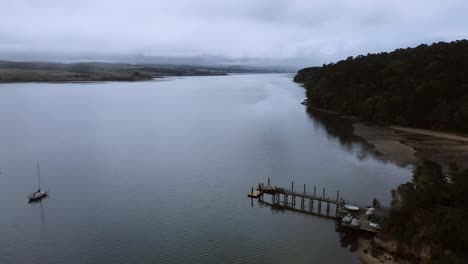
{"x": 432, "y": 211}
{"x": 424, "y": 87}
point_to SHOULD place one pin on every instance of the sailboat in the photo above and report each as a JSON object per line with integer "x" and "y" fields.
{"x": 37, "y": 195}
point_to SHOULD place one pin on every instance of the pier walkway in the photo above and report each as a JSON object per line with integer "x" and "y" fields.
{"x": 311, "y": 203}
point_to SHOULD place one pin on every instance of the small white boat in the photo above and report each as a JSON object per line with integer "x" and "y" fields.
{"x": 37, "y": 195}
{"x": 370, "y": 211}
{"x": 347, "y": 219}
{"x": 351, "y": 207}
{"x": 375, "y": 226}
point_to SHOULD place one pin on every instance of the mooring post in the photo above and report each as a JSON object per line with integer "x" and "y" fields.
{"x": 323, "y": 194}
{"x": 314, "y": 190}
{"x": 311, "y": 205}
{"x": 337, "y": 202}
{"x": 285, "y": 199}
{"x": 268, "y": 181}
{"x": 304, "y": 187}
{"x": 293, "y": 198}
{"x": 251, "y": 193}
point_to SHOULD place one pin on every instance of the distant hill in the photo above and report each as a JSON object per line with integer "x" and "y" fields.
{"x": 425, "y": 87}
{"x": 98, "y": 71}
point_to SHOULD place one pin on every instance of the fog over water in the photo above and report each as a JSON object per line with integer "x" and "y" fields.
{"x": 281, "y": 32}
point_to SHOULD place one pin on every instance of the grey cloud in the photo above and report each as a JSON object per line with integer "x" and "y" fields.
{"x": 266, "y": 31}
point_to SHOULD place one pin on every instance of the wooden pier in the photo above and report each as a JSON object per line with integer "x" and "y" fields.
{"x": 310, "y": 203}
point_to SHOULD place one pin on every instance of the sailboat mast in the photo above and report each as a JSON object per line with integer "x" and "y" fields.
{"x": 38, "y": 176}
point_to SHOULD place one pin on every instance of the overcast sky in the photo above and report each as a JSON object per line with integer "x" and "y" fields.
{"x": 301, "y": 32}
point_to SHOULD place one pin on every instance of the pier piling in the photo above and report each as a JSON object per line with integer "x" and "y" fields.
{"x": 338, "y": 202}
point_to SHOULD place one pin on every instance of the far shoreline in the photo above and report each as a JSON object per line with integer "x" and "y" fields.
{"x": 101, "y": 80}
{"x": 57, "y": 72}
{"x": 80, "y": 81}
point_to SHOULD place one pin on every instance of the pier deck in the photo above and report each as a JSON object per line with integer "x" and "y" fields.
{"x": 285, "y": 199}
{"x": 254, "y": 194}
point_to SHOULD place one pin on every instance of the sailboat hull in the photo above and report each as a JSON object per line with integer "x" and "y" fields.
{"x": 37, "y": 196}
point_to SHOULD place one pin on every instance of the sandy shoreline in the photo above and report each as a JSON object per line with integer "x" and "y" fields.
{"x": 367, "y": 255}
{"x": 407, "y": 146}
{"x": 404, "y": 146}
{"x": 432, "y": 133}
{"x": 387, "y": 143}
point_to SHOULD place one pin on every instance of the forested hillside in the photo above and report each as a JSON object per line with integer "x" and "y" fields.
{"x": 430, "y": 212}
{"x": 425, "y": 87}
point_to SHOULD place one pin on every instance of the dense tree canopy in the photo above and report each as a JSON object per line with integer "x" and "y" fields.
{"x": 432, "y": 210}
{"x": 425, "y": 87}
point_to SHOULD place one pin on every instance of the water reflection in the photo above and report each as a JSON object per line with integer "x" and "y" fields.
{"x": 348, "y": 237}
{"x": 341, "y": 129}
{"x": 142, "y": 170}
{"x": 40, "y": 204}
{"x": 282, "y": 208}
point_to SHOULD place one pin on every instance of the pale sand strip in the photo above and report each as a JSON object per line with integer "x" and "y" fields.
{"x": 407, "y": 145}
{"x": 394, "y": 150}
{"x": 432, "y": 133}
{"x": 387, "y": 143}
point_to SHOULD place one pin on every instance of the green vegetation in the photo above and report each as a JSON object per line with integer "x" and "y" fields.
{"x": 432, "y": 211}
{"x": 425, "y": 87}
{"x": 98, "y": 71}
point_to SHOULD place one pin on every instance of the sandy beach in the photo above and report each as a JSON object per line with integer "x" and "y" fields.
{"x": 387, "y": 143}
{"x": 407, "y": 146}
{"x": 368, "y": 255}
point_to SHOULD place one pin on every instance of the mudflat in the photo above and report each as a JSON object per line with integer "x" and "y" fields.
{"x": 408, "y": 145}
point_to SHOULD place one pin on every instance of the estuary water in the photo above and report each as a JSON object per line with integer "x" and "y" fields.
{"x": 158, "y": 172}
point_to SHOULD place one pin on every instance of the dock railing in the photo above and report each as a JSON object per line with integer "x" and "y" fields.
{"x": 286, "y": 198}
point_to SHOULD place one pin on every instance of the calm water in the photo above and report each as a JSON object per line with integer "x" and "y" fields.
{"x": 157, "y": 172}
